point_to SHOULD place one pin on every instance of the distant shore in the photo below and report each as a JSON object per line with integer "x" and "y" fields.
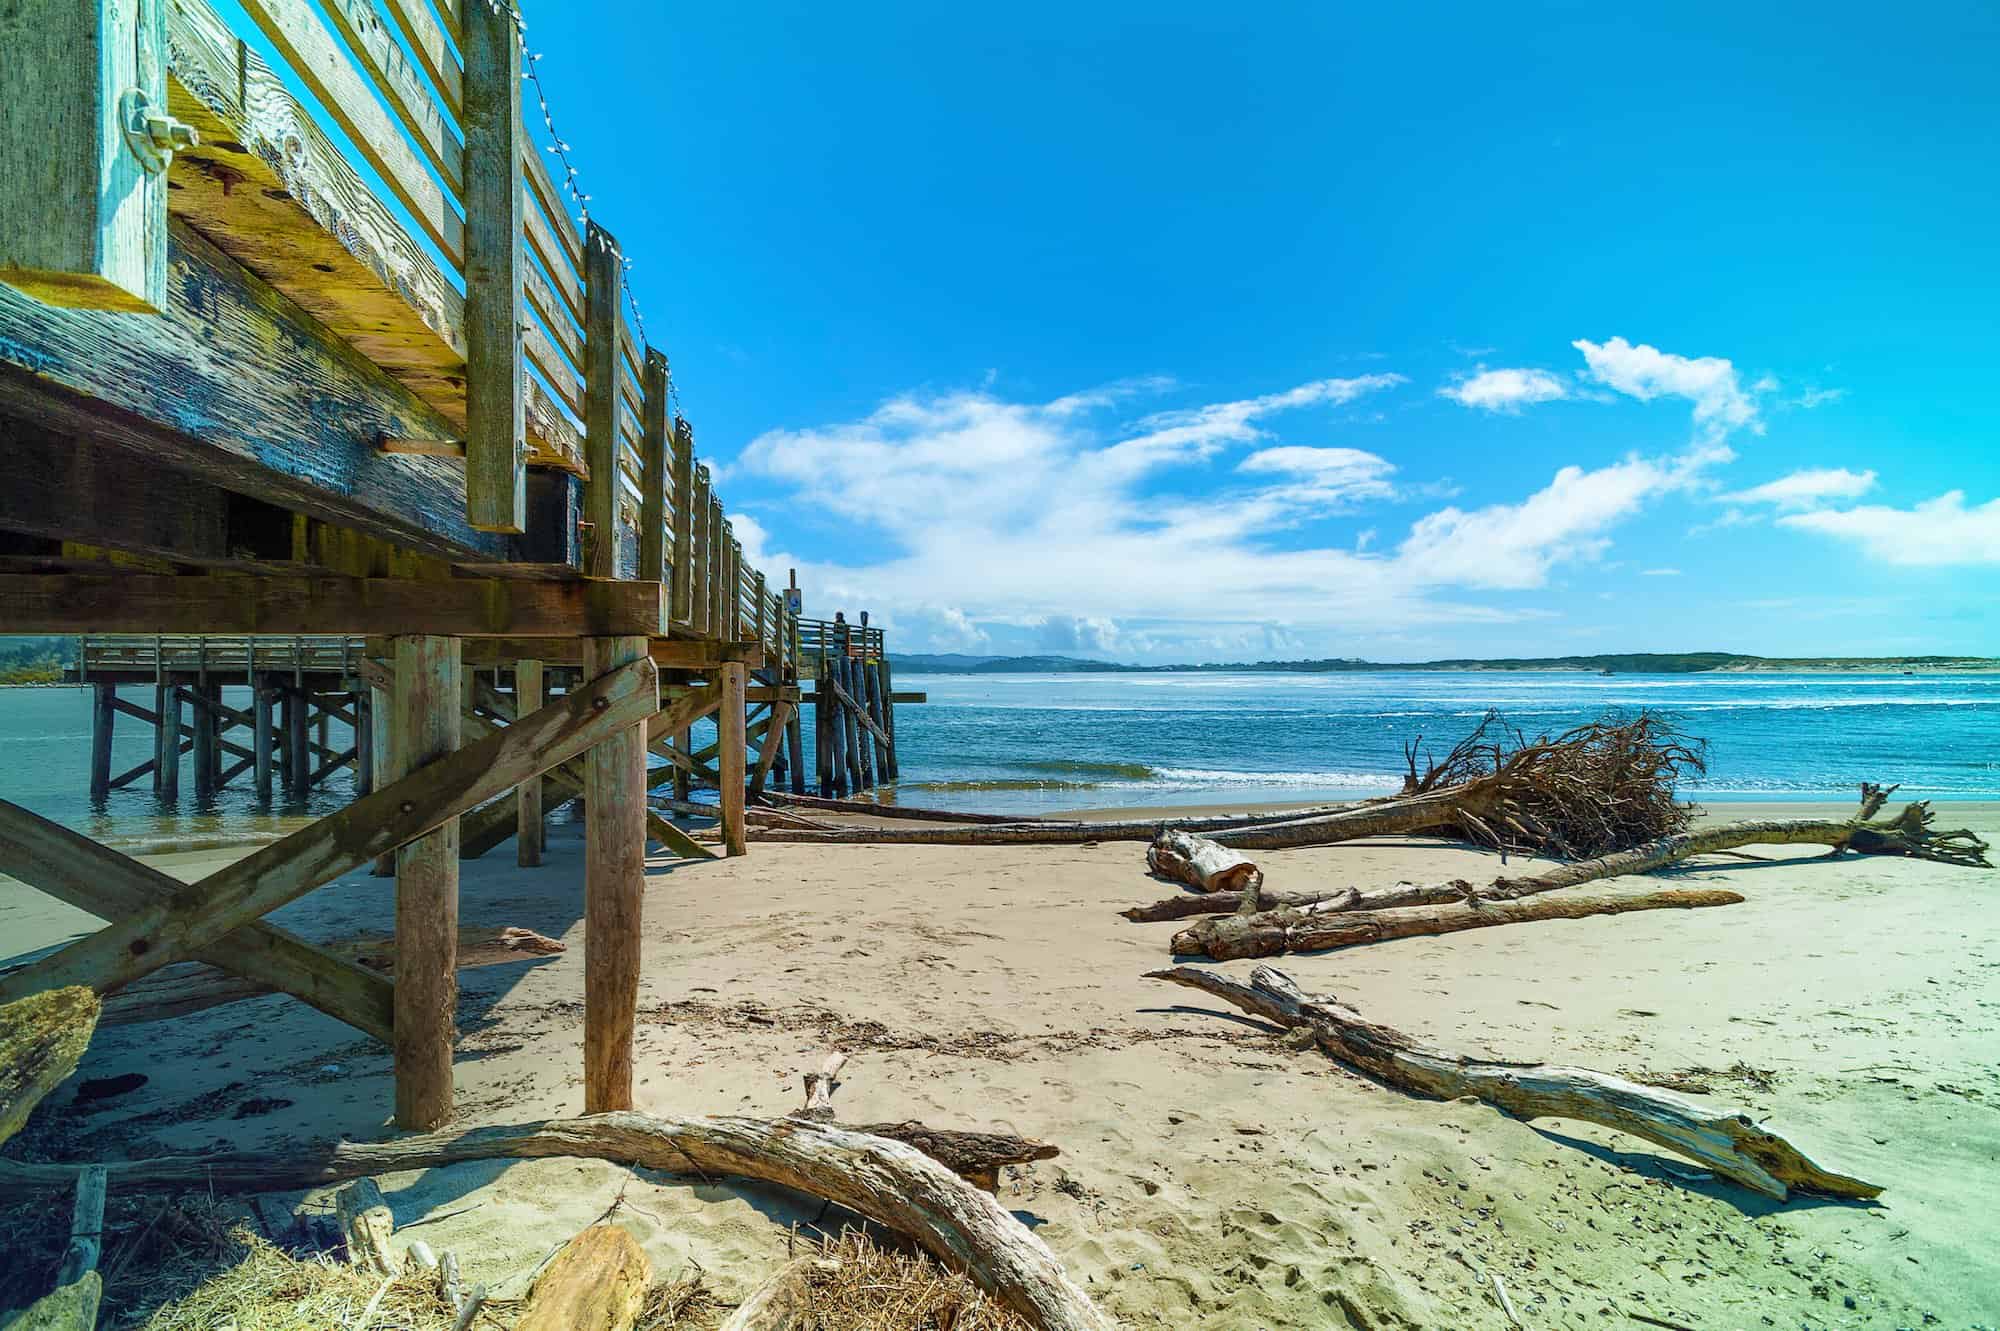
{"x": 1641, "y": 663}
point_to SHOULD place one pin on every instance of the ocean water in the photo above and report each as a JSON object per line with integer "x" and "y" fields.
{"x": 1043, "y": 742}
{"x": 1037, "y": 743}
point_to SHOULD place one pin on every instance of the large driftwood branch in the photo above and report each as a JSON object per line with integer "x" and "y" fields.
{"x": 1202, "y": 864}
{"x": 42, "y": 1039}
{"x": 1731, "y": 1144}
{"x": 597, "y": 1282}
{"x": 1049, "y": 832}
{"x": 886, "y": 1181}
{"x": 1270, "y": 933}
{"x": 1909, "y": 834}
{"x": 189, "y": 987}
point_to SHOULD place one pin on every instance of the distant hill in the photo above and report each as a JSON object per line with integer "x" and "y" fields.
{"x": 25, "y": 660}
{"x": 1619, "y": 663}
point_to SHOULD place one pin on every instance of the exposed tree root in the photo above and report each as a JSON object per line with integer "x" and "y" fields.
{"x": 893, "y": 1184}
{"x": 1730, "y": 1143}
{"x": 1271, "y": 933}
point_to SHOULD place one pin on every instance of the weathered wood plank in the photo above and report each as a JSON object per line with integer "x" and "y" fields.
{"x": 529, "y": 829}
{"x": 600, "y": 405}
{"x": 654, "y": 474}
{"x": 287, "y": 869}
{"x": 495, "y": 470}
{"x": 375, "y": 49}
{"x": 240, "y": 604}
{"x": 683, "y": 490}
{"x": 42, "y": 1039}
{"x": 85, "y": 223}
{"x": 668, "y": 654}
{"x": 428, "y": 681}
{"x": 425, "y": 35}
{"x": 256, "y": 395}
{"x": 614, "y": 888}
{"x": 309, "y": 49}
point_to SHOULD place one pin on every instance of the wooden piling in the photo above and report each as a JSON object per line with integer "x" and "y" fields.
{"x": 427, "y": 721}
{"x": 167, "y": 741}
{"x": 885, "y": 682}
{"x": 204, "y": 751}
{"x": 795, "y": 751}
{"x": 298, "y": 751}
{"x": 103, "y": 715}
{"x": 857, "y": 770}
{"x": 263, "y": 735}
{"x": 388, "y": 762}
{"x": 614, "y": 881}
{"x": 730, "y": 759}
{"x": 364, "y": 741}
{"x": 528, "y": 697}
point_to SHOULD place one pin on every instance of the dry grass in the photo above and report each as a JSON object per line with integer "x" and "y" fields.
{"x": 850, "y": 1283}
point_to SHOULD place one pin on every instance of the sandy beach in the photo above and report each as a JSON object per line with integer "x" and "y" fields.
{"x": 1211, "y": 1175}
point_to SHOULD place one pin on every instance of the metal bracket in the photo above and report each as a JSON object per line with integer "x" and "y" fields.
{"x": 152, "y": 135}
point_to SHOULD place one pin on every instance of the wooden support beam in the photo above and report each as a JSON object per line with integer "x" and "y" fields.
{"x": 729, "y": 760}
{"x": 166, "y": 741}
{"x": 654, "y": 469}
{"x": 667, "y": 653}
{"x": 287, "y": 869}
{"x": 774, "y": 741}
{"x": 603, "y": 285}
{"x": 103, "y": 714}
{"x": 614, "y": 888}
{"x": 427, "y": 710}
{"x": 701, "y": 600}
{"x": 242, "y": 604}
{"x": 76, "y": 870}
{"x": 529, "y": 828}
{"x": 683, "y": 482}
{"x": 85, "y": 221}
{"x": 389, "y": 764}
{"x": 496, "y": 497}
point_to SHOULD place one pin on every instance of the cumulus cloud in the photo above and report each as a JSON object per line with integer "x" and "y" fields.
{"x": 1711, "y": 383}
{"x": 1935, "y": 533}
{"x": 1513, "y": 546}
{"x": 1806, "y": 489}
{"x": 1506, "y": 390}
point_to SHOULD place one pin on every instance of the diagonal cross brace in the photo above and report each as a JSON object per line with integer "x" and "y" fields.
{"x": 177, "y": 928}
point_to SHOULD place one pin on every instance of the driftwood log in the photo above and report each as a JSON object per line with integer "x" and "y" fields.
{"x": 176, "y": 991}
{"x": 79, "y": 1289}
{"x": 1271, "y": 933}
{"x": 976, "y": 1157}
{"x": 1730, "y": 1143}
{"x": 784, "y": 1302}
{"x": 42, "y": 1039}
{"x": 891, "y": 1183}
{"x": 367, "y": 1224}
{"x": 1188, "y": 857}
{"x": 597, "y": 1282}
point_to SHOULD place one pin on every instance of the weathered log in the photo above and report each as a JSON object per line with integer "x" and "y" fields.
{"x": 72, "y": 1304}
{"x": 190, "y": 986}
{"x": 367, "y": 1224}
{"x": 1050, "y": 832}
{"x": 597, "y": 1282}
{"x": 42, "y": 1039}
{"x": 1270, "y": 933}
{"x": 1202, "y": 864}
{"x": 1226, "y": 903}
{"x": 1730, "y": 1143}
{"x": 891, "y": 1183}
{"x": 976, "y": 1157}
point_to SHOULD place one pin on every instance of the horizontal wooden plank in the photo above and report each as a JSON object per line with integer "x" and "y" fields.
{"x": 376, "y": 51}
{"x": 233, "y": 603}
{"x": 668, "y": 654}
{"x": 425, "y": 36}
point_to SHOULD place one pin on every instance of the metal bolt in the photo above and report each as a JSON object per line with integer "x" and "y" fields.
{"x": 409, "y": 807}
{"x": 599, "y": 704}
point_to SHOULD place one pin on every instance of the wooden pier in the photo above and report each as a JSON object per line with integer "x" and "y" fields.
{"x": 395, "y": 457}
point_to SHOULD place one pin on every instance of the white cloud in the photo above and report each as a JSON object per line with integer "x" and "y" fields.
{"x": 1660, "y": 573}
{"x": 1710, "y": 382}
{"x": 1513, "y": 546}
{"x": 1505, "y": 390}
{"x": 1806, "y": 489}
{"x": 1325, "y": 476}
{"x": 1179, "y": 436}
{"x": 1818, "y": 397}
{"x": 1937, "y": 532}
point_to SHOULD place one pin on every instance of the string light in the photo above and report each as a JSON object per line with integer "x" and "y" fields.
{"x": 530, "y": 74}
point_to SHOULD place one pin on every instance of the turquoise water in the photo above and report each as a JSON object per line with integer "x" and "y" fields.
{"x": 1041, "y": 742}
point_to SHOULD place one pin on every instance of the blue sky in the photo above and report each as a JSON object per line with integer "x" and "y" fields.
{"x": 1175, "y": 332}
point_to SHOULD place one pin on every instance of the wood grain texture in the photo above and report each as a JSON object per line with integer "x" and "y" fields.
{"x": 595, "y": 1282}
{"x": 891, "y": 1183}
{"x": 84, "y": 224}
{"x": 428, "y": 682}
{"x": 654, "y": 473}
{"x": 600, "y": 405}
{"x": 374, "y": 48}
{"x": 529, "y": 829}
{"x": 495, "y": 468}
{"x": 683, "y": 505}
{"x": 730, "y": 758}
{"x": 281, "y": 604}
{"x": 42, "y": 1038}
{"x": 614, "y": 888}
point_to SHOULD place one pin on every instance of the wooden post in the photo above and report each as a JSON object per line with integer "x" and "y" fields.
{"x": 298, "y": 754}
{"x": 683, "y": 782}
{"x": 204, "y": 743}
{"x": 886, "y": 684}
{"x": 730, "y": 758}
{"x": 653, "y": 474}
{"x": 602, "y": 280}
{"x": 700, "y": 601}
{"x": 718, "y": 545}
{"x": 871, "y": 681}
{"x": 496, "y": 470}
{"x": 388, "y": 762}
{"x": 682, "y": 599}
{"x": 262, "y": 735}
{"x": 757, "y": 629}
{"x": 614, "y": 885}
{"x": 167, "y": 776}
{"x": 364, "y": 741}
{"x": 83, "y": 211}
{"x": 427, "y": 717}
{"x": 795, "y": 758}
{"x": 528, "y": 697}
{"x": 103, "y": 714}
